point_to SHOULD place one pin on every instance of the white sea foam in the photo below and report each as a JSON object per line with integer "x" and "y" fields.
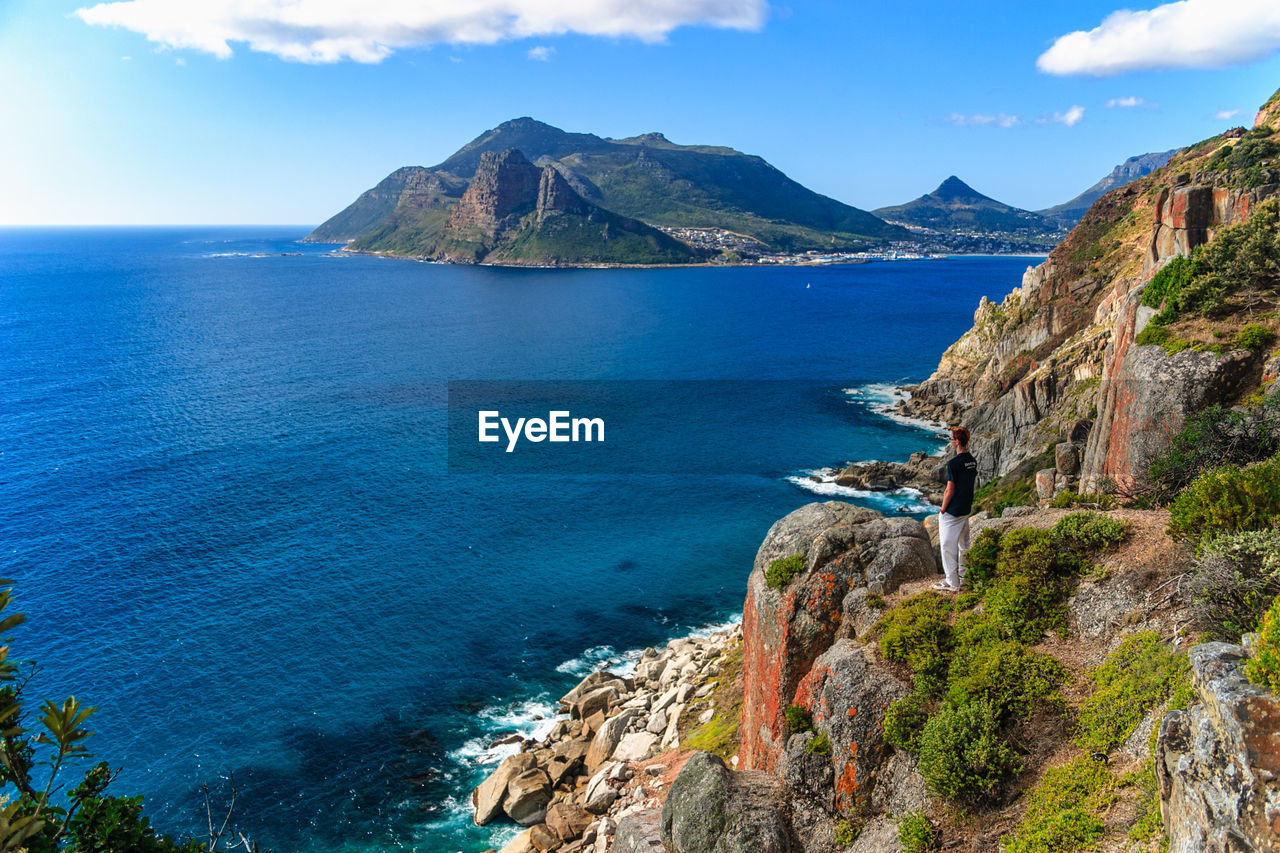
{"x": 532, "y": 719}
{"x": 883, "y": 398}
{"x": 903, "y": 499}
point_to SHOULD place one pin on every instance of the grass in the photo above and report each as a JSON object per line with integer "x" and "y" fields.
{"x": 781, "y": 571}
{"x": 719, "y": 735}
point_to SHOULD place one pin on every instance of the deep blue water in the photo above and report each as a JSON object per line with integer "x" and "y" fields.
{"x": 225, "y": 497}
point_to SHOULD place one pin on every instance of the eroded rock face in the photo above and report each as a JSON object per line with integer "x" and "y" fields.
{"x": 1218, "y": 762}
{"x": 504, "y": 185}
{"x": 712, "y": 809}
{"x": 785, "y": 630}
{"x": 1147, "y": 399}
{"x": 848, "y": 694}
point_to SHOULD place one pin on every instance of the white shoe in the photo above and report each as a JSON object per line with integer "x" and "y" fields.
{"x": 943, "y": 586}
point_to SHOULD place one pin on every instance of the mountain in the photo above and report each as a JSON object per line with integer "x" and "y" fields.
{"x": 957, "y": 208}
{"x": 513, "y": 212}
{"x": 646, "y": 178}
{"x": 1068, "y": 213}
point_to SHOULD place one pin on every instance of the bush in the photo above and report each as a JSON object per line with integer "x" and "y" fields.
{"x": 799, "y": 719}
{"x": 1065, "y": 500}
{"x": 1084, "y": 533}
{"x": 980, "y": 559}
{"x": 1255, "y": 337}
{"x": 1026, "y": 598}
{"x": 1263, "y": 667}
{"x": 781, "y": 571}
{"x": 916, "y": 834}
{"x": 1139, "y": 675}
{"x": 1236, "y": 578}
{"x": 1010, "y": 676}
{"x": 847, "y": 832}
{"x": 1062, "y": 811}
{"x": 903, "y": 722}
{"x": 819, "y": 745}
{"x": 1213, "y": 437}
{"x": 963, "y": 756}
{"x": 1227, "y": 500}
{"x": 918, "y": 634}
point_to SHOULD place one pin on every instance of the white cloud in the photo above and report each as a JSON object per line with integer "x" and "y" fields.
{"x": 1130, "y": 101}
{"x": 333, "y": 30}
{"x": 982, "y": 120}
{"x": 1070, "y": 118}
{"x": 1186, "y": 34}
{"x": 1223, "y": 115}
{"x": 542, "y": 53}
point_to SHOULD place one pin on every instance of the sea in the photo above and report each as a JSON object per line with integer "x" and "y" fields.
{"x": 230, "y": 513}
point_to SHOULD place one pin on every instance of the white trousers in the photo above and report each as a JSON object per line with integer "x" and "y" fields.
{"x": 953, "y": 536}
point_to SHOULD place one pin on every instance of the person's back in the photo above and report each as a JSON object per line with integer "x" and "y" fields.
{"x": 957, "y": 503}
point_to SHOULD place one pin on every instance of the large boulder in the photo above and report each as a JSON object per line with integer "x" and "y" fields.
{"x": 1218, "y": 762}
{"x": 607, "y": 739}
{"x": 639, "y": 832}
{"x": 527, "y": 797}
{"x": 784, "y": 630}
{"x": 847, "y": 694}
{"x": 490, "y": 795}
{"x": 711, "y": 809}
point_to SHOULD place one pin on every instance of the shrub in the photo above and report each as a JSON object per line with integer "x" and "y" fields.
{"x": 1264, "y": 667}
{"x": 1007, "y": 674}
{"x": 1089, "y": 532}
{"x": 819, "y": 745}
{"x": 1143, "y": 672}
{"x": 1255, "y": 337}
{"x": 1213, "y": 437}
{"x": 1065, "y": 500}
{"x": 916, "y": 834}
{"x": 917, "y": 633}
{"x": 903, "y": 722}
{"x": 1062, "y": 811}
{"x": 847, "y": 832}
{"x": 799, "y": 719}
{"x": 963, "y": 756}
{"x": 1026, "y": 598}
{"x": 781, "y": 571}
{"x": 1228, "y": 499}
{"x": 980, "y": 559}
{"x": 1236, "y": 578}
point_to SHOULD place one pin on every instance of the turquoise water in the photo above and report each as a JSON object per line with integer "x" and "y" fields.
{"x": 226, "y": 500}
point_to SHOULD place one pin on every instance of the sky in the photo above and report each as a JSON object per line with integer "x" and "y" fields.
{"x": 283, "y": 111}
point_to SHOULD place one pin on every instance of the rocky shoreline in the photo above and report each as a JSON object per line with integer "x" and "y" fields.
{"x": 600, "y": 765}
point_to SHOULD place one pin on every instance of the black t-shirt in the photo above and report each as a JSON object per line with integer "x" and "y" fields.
{"x": 963, "y": 471}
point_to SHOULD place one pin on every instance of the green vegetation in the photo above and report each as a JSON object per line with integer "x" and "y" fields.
{"x": 1255, "y": 337}
{"x": 1240, "y": 268}
{"x": 1227, "y": 500}
{"x": 719, "y": 735}
{"x": 1264, "y": 666}
{"x": 916, "y": 834}
{"x": 847, "y": 832}
{"x": 1137, "y": 677}
{"x": 963, "y": 756}
{"x": 601, "y": 237}
{"x": 781, "y": 571}
{"x": 904, "y": 720}
{"x": 39, "y": 755}
{"x": 1147, "y": 824}
{"x": 1017, "y": 488}
{"x": 799, "y": 719}
{"x": 1250, "y": 162}
{"x": 1062, "y": 811}
{"x": 1213, "y": 437}
{"x": 819, "y": 744}
{"x": 1237, "y": 576}
{"x": 975, "y": 674}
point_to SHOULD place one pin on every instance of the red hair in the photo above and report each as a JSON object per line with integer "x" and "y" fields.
{"x": 961, "y": 435}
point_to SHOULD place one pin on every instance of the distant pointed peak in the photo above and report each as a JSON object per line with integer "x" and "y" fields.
{"x": 953, "y": 187}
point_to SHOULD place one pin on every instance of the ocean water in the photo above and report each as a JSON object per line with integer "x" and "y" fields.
{"x": 227, "y": 502}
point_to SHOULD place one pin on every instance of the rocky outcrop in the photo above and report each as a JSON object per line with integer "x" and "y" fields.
{"x": 785, "y": 630}
{"x": 847, "y": 693}
{"x": 596, "y": 783}
{"x": 504, "y": 188}
{"x": 712, "y": 809}
{"x": 1218, "y": 763}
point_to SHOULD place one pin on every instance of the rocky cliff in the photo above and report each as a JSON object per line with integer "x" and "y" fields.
{"x": 1056, "y": 359}
{"x": 513, "y": 212}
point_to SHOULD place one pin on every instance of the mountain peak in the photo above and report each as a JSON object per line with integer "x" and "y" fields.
{"x": 525, "y": 124}
{"x": 953, "y": 187}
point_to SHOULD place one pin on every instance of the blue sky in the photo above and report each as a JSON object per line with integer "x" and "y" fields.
{"x": 282, "y": 111}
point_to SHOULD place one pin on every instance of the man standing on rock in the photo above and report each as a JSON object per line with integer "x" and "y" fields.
{"x": 957, "y": 503}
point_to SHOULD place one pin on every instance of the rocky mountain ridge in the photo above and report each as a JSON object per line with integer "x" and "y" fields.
{"x": 645, "y": 178}
{"x": 1069, "y": 212}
